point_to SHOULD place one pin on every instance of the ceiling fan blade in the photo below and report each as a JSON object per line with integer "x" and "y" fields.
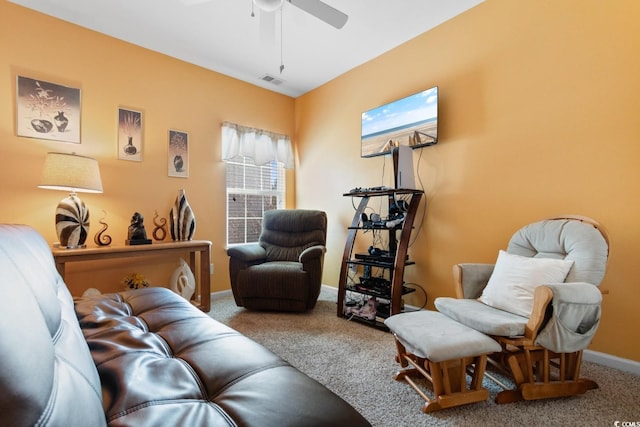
{"x": 322, "y": 11}
{"x": 267, "y": 26}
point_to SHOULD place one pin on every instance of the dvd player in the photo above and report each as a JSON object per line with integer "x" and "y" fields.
{"x": 382, "y": 258}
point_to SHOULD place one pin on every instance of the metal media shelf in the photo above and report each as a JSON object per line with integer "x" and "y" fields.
{"x": 393, "y": 261}
{"x": 376, "y": 293}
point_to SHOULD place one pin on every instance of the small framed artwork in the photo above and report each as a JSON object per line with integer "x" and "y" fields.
{"x": 47, "y": 110}
{"x": 178, "y": 153}
{"x": 129, "y": 134}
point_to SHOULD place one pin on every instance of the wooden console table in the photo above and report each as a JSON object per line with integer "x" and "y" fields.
{"x": 203, "y": 247}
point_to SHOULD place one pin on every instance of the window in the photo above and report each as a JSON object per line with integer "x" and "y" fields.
{"x": 251, "y": 190}
{"x": 256, "y": 160}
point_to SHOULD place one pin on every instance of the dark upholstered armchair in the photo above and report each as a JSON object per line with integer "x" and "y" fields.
{"x": 283, "y": 271}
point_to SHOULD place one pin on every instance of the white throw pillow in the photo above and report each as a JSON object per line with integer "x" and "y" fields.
{"x": 514, "y": 278}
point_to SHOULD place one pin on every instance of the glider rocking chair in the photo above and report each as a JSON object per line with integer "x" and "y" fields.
{"x": 540, "y": 302}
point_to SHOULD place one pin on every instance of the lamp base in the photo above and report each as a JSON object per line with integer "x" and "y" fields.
{"x": 59, "y": 246}
{"x": 72, "y": 222}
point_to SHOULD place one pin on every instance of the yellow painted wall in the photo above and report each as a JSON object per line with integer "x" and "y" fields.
{"x": 170, "y": 93}
{"x": 539, "y": 105}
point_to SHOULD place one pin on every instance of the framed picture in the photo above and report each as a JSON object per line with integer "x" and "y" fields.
{"x": 129, "y": 134}
{"x": 47, "y": 110}
{"x": 178, "y": 153}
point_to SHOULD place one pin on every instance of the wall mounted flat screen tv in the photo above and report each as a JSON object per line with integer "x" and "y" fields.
{"x": 411, "y": 121}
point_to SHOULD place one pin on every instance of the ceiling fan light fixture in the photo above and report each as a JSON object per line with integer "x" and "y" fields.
{"x": 268, "y": 5}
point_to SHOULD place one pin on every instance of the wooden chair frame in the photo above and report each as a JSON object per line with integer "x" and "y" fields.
{"x": 448, "y": 378}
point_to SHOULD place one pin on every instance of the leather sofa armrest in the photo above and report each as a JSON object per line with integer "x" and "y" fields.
{"x": 248, "y": 253}
{"x": 471, "y": 279}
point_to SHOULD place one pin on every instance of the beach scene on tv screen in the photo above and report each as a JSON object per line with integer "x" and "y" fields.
{"x": 411, "y": 121}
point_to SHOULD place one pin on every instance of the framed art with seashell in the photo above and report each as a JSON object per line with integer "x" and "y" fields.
{"x": 130, "y": 134}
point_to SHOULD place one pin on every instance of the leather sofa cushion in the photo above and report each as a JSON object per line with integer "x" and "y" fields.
{"x": 163, "y": 362}
{"x": 47, "y": 376}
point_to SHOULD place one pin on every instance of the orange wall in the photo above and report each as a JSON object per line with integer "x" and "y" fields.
{"x": 170, "y": 93}
{"x": 538, "y": 116}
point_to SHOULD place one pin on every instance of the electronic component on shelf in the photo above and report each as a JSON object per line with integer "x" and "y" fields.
{"x": 376, "y": 221}
{"x": 373, "y": 221}
{"x": 394, "y": 222}
{"x": 375, "y": 283}
{"x": 370, "y": 189}
{"x": 380, "y": 289}
{"x": 384, "y": 258}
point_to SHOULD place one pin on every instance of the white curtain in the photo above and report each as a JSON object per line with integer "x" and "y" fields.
{"x": 260, "y": 145}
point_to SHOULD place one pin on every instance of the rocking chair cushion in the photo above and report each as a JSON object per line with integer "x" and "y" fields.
{"x": 514, "y": 278}
{"x": 481, "y": 317}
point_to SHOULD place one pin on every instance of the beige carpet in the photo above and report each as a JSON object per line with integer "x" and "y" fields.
{"x": 357, "y": 363}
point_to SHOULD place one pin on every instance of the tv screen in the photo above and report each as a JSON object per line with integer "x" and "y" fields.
{"x": 411, "y": 121}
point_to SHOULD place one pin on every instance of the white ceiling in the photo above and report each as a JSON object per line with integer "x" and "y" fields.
{"x": 221, "y": 35}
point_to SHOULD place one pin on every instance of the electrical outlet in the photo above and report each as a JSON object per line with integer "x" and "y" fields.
{"x": 211, "y": 268}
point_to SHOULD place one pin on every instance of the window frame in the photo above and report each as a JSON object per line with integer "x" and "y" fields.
{"x": 279, "y": 193}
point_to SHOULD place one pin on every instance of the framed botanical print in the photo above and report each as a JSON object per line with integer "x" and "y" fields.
{"x": 178, "y": 153}
{"x": 129, "y": 134}
{"x": 47, "y": 110}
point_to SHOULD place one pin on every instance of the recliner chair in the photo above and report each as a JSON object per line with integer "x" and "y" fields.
{"x": 283, "y": 271}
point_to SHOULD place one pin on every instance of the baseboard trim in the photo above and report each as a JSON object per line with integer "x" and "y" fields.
{"x": 331, "y": 289}
{"x": 220, "y": 294}
{"x": 611, "y": 361}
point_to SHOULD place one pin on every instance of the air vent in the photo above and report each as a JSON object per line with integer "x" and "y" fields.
{"x": 270, "y": 79}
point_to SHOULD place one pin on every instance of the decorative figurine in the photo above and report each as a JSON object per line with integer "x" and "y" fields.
{"x": 99, "y": 238}
{"x": 137, "y": 234}
{"x": 160, "y": 230}
{"x": 183, "y": 282}
{"x": 182, "y": 219}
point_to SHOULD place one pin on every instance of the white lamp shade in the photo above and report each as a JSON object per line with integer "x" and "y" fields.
{"x": 268, "y": 5}
{"x": 71, "y": 172}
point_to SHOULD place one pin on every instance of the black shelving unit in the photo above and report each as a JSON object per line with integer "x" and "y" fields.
{"x": 387, "y": 288}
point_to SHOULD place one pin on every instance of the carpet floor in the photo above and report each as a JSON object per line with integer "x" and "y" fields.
{"x": 357, "y": 362}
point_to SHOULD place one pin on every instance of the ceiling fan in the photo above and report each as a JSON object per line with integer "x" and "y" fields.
{"x": 317, "y": 8}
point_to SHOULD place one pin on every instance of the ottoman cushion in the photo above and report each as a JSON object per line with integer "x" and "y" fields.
{"x": 432, "y": 335}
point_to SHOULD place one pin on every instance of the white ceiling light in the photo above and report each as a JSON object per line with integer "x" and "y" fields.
{"x": 268, "y": 5}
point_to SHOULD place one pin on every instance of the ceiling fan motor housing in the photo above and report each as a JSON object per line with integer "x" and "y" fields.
{"x": 268, "y": 5}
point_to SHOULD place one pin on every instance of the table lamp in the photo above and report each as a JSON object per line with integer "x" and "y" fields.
{"x": 72, "y": 173}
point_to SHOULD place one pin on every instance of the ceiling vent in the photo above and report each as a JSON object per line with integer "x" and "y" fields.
{"x": 273, "y": 80}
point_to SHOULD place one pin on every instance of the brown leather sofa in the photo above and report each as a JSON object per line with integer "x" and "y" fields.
{"x": 137, "y": 358}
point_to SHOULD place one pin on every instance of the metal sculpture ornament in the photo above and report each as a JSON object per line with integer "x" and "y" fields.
{"x": 100, "y": 238}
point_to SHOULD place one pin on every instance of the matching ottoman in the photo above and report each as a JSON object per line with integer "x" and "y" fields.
{"x": 442, "y": 351}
